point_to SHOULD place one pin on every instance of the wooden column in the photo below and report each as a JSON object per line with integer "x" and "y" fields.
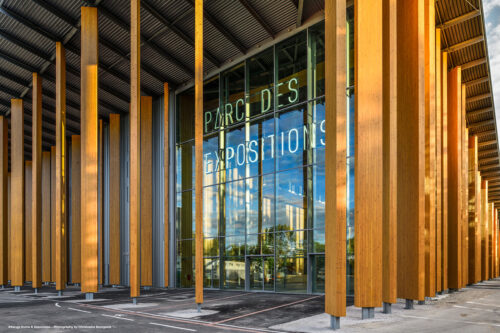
{"x": 166, "y": 183}
{"x": 497, "y": 243}
{"x": 46, "y": 232}
{"x": 439, "y": 152}
{"x": 100, "y": 204}
{"x": 60, "y": 167}
{"x": 17, "y": 191}
{"x": 465, "y": 191}
{"x": 28, "y": 253}
{"x": 76, "y": 212}
{"x": 135, "y": 148}
{"x": 411, "y": 149}
{"x": 53, "y": 213}
{"x": 335, "y": 155}
{"x": 491, "y": 210}
{"x": 430, "y": 149}
{"x": 36, "y": 204}
{"x": 146, "y": 191}
{"x": 455, "y": 179}
{"x": 368, "y": 217}
{"x": 474, "y": 213}
{"x": 198, "y": 144}
{"x": 9, "y": 269}
{"x": 4, "y": 219}
{"x": 89, "y": 113}
{"x": 444, "y": 172}
{"x": 479, "y": 222}
{"x": 484, "y": 230}
{"x": 114, "y": 199}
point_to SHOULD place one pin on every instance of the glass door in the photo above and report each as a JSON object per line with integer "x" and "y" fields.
{"x": 260, "y": 273}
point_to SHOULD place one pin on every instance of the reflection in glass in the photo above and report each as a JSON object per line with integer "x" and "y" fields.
{"x": 261, "y": 146}
{"x": 317, "y": 60}
{"x": 212, "y": 159}
{"x": 234, "y": 246}
{"x": 260, "y": 204}
{"x": 260, "y": 72}
{"x": 291, "y": 200}
{"x": 185, "y": 166}
{"x": 235, "y": 208}
{"x": 318, "y": 203}
{"x": 261, "y": 273}
{"x": 233, "y": 95}
{"x": 318, "y": 272}
{"x": 210, "y": 247}
{"x": 185, "y": 263}
{"x": 211, "y": 273}
{"x": 234, "y": 273}
{"x": 211, "y": 211}
{"x": 185, "y": 116}
{"x": 185, "y": 215}
{"x": 291, "y": 274}
{"x": 260, "y": 244}
{"x": 291, "y": 243}
{"x": 213, "y": 116}
{"x": 235, "y": 153}
{"x": 317, "y": 240}
{"x": 291, "y": 57}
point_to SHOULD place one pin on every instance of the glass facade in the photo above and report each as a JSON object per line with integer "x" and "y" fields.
{"x": 264, "y": 172}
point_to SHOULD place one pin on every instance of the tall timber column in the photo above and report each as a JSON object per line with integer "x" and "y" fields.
{"x": 411, "y": 151}
{"x": 17, "y": 192}
{"x": 114, "y": 199}
{"x": 135, "y": 149}
{"x": 198, "y": 144}
{"x": 484, "y": 230}
{"x": 491, "y": 210}
{"x": 4, "y": 219}
{"x": 46, "y": 253}
{"x": 89, "y": 113}
{"x": 166, "y": 184}
{"x": 335, "y": 155}
{"x": 474, "y": 213}
{"x": 61, "y": 168}
{"x": 455, "y": 179}
{"x": 444, "y": 172}
{"x": 465, "y": 191}
{"x": 53, "y": 213}
{"x": 27, "y": 221}
{"x": 146, "y": 191}
{"x": 76, "y": 212}
{"x": 100, "y": 204}
{"x": 368, "y": 217}
{"x": 36, "y": 178}
{"x": 439, "y": 159}
{"x": 430, "y": 149}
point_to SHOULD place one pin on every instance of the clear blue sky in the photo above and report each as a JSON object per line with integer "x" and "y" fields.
{"x": 492, "y": 14}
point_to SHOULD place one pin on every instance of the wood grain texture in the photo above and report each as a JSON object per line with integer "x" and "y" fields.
{"x": 135, "y": 148}
{"x": 444, "y": 171}
{"x": 114, "y": 199}
{"x": 53, "y": 213}
{"x": 46, "y": 231}
{"x": 100, "y": 204}
{"x": 166, "y": 183}
{"x": 9, "y": 269}
{"x": 335, "y": 152}
{"x": 198, "y": 144}
{"x": 89, "y": 114}
{"x": 474, "y": 200}
{"x": 61, "y": 175}
{"x": 491, "y": 210}
{"x": 17, "y": 192}
{"x": 479, "y": 221}
{"x": 36, "y": 203}
{"x": 455, "y": 179}
{"x": 465, "y": 191}
{"x": 430, "y": 149}
{"x": 389, "y": 224}
{"x": 411, "y": 149}
{"x": 4, "y": 219}
{"x": 439, "y": 159}
{"x": 146, "y": 191}
{"x": 76, "y": 202}
{"x": 368, "y": 217}
{"x": 28, "y": 220}
{"x": 484, "y": 230}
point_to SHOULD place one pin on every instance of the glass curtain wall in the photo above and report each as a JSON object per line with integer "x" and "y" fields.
{"x": 264, "y": 172}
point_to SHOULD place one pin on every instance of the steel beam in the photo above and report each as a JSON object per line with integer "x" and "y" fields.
{"x": 459, "y": 19}
{"x": 476, "y": 98}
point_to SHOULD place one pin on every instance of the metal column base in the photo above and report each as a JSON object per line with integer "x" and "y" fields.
{"x": 146, "y": 288}
{"x": 134, "y": 300}
{"x": 367, "y": 313}
{"x": 59, "y": 293}
{"x": 387, "y": 308}
{"x": 89, "y": 296}
{"x": 3, "y": 287}
{"x": 198, "y": 307}
{"x": 36, "y": 291}
{"x": 409, "y": 304}
{"x": 421, "y": 302}
{"x": 334, "y": 323}
{"x": 17, "y": 289}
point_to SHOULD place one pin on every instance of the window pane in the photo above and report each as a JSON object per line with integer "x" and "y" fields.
{"x": 234, "y": 246}
{"x": 256, "y": 273}
{"x": 291, "y": 243}
{"x": 317, "y": 142}
{"x": 235, "y": 208}
{"x": 291, "y": 274}
{"x": 291, "y": 63}
{"x": 317, "y": 56}
{"x": 317, "y": 240}
{"x": 261, "y": 146}
{"x": 185, "y": 166}
{"x": 260, "y": 69}
{"x": 185, "y": 215}
{"x": 213, "y": 117}
{"x": 235, "y": 153}
{"x": 185, "y": 263}
{"x": 260, "y": 244}
{"x": 292, "y": 132}
{"x": 211, "y": 273}
{"x": 233, "y": 90}
{"x": 210, "y": 247}
{"x": 185, "y": 116}
{"x": 234, "y": 273}
{"x": 318, "y": 271}
{"x": 291, "y": 201}
{"x": 318, "y": 196}
{"x": 212, "y": 159}
{"x": 211, "y": 211}
{"x": 260, "y": 204}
